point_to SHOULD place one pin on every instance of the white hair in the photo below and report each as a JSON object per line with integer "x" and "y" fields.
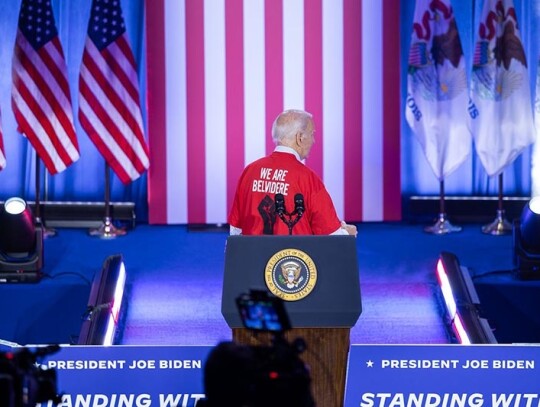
{"x": 289, "y": 123}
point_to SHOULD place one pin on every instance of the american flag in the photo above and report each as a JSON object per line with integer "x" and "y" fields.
{"x": 40, "y": 95}
{"x": 219, "y": 72}
{"x": 109, "y": 109}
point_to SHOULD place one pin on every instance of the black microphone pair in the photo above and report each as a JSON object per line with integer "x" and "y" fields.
{"x": 299, "y": 208}
{"x": 279, "y": 203}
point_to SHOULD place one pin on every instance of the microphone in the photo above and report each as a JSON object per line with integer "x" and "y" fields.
{"x": 299, "y": 204}
{"x": 280, "y": 204}
{"x": 286, "y": 217}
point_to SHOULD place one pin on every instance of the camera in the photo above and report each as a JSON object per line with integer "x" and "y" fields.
{"x": 261, "y": 312}
{"x": 22, "y": 382}
{"x": 258, "y": 376}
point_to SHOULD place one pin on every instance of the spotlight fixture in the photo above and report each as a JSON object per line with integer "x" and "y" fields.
{"x": 462, "y": 302}
{"x": 21, "y": 243}
{"x": 527, "y": 241}
{"x": 104, "y": 304}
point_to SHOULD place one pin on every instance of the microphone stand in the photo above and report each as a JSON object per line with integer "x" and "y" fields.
{"x": 290, "y": 222}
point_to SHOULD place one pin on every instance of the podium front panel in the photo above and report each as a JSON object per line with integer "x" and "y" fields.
{"x": 335, "y": 299}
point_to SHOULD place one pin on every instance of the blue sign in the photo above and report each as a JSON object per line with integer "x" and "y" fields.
{"x": 443, "y": 376}
{"x": 378, "y": 376}
{"x": 129, "y": 376}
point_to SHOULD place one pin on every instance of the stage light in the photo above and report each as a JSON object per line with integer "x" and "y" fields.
{"x": 527, "y": 241}
{"x": 462, "y": 302}
{"x": 21, "y": 243}
{"x": 104, "y": 304}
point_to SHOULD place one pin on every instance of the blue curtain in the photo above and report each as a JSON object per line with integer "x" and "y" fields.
{"x": 85, "y": 179}
{"x": 470, "y": 178}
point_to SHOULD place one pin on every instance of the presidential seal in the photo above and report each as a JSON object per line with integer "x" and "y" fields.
{"x": 290, "y": 274}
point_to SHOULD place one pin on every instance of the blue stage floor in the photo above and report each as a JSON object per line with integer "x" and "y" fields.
{"x": 175, "y": 274}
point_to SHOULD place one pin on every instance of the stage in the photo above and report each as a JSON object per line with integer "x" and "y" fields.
{"x": 175, "y": 273}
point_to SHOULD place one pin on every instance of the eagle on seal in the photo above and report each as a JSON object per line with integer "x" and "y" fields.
{"x": 291, "y": 271}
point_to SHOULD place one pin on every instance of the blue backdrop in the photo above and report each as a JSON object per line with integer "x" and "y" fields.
{"x": 85, "y": 180}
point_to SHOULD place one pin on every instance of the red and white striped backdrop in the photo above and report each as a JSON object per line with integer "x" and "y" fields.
{"x": 219, "y": 72}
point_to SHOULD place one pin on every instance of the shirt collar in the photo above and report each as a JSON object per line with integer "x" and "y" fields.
{"x": 285, "y": 149}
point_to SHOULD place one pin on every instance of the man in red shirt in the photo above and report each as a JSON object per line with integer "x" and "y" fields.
{"x": 283, "y": 175}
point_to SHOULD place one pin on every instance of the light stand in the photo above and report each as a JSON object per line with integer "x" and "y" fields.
{"x": 21, "y": 243}
{"x": 527, "y": 241}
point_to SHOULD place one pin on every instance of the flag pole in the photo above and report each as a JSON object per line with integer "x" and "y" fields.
{"x": 47, "y": 232}
{"x": 442, "y": 225}
{"x": 500, "y": 226}
{"x": 107, "y": 230}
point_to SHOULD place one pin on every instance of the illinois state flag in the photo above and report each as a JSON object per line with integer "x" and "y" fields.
{"x": 502, "y": 115}
{"x": 535, "y": 159}
{"x": 437, "y": 97}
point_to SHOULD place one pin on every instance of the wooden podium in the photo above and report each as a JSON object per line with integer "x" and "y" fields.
{"x": 329, "y": 306}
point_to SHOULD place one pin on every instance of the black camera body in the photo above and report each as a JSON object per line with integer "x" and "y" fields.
{"x": 280, "y": 376}
{"x": 259, "y": 376}
{"x": 22, "y": 382}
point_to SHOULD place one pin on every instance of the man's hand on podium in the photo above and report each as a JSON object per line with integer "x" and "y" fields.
{"x": 351, "y": 229}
